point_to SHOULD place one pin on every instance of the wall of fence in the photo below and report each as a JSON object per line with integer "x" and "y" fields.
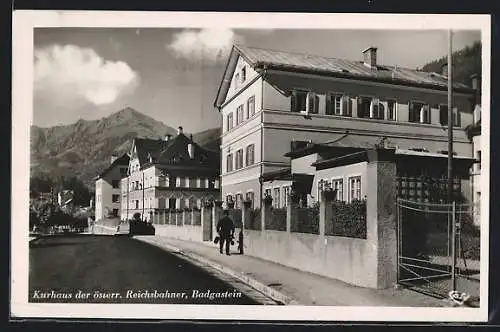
{"x": 187, "y": 224}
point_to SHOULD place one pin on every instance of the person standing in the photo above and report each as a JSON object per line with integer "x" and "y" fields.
{"x": 225, "y": 228}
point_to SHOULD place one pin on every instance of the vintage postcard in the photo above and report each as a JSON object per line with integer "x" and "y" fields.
{"x": 250, "y": 166}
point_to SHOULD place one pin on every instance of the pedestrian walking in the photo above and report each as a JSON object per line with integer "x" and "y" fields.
{"x": 225, "y": 228}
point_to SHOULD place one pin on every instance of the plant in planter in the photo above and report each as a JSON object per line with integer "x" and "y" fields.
{"x": 230, "y": 204}
{"x": 218, "y": 203}
{"x": 208, "y": 204}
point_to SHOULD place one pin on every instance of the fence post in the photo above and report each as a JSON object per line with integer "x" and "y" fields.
{"x": 325, "y": 212}
{"x": 453, "y": 248}
{"x": 206, "y": 226}
{"x": 245, "y": 214}
{"x": 217, "y": 211}
{"x": 266, "y": 213}
{"x": 291, "y": 215}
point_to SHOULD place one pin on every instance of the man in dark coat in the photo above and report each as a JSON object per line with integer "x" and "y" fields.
{"x": 225, "y": 228}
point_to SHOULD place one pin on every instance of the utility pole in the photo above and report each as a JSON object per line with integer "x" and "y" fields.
{"x": 450, "y": 165}
{"x": 450, "y": 120}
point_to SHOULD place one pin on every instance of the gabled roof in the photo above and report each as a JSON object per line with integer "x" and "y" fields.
{"x": 123, "y": 160}
{"x": 307, "y": 63}
{"x": 146, "y": 147}
{"x": 175, "y": 152}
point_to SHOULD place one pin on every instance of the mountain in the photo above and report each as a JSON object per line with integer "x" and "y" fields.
{"x": 84, "y": 148}
{"x": 465, "y": 62}
{"x": 209, "y": 139}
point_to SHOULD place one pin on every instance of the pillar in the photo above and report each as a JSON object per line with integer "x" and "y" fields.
{"x": 325, "y": 212}
{"x": 266, "y": 213}
{"x": 381, "y": 223}
{"x": 291, "y": 215}
{"x": 245, "y": 213}
{"x": 216, "y": 215}
{"x": 206, "y": 222}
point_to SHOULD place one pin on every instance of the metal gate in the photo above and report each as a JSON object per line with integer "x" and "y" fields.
{"x": 438, "y": 247}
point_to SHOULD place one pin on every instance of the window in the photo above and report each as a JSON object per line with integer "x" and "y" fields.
{"x": 182, "y": 182}
{"x": 392, "y": 110}
{"x": 478, "y": 153}
{"x": 229, "y": 198}
{"x": 115, "y": 183}
{"x": 312, "y": 103}
{"x": 171, "y": 203}
{"x": 243, "y": 74}
{"x": 250, "y": 155}
{"x": 364, "y": 105}
{"x": 338, "y": 185}
{"x": 186, "y": 182}
{"x": 236, "y": 81}
{"x": 276, "y": 198}
{"x": 177, "y": 181}
{"x": 443, "y": 116}
{"x": 229, "y": 124}
{"x": 207, "y": 184}
{"x": 250, "y": 107}
{"x": 267, "y": 192}
{"x": 239, "y": 159}
{"x": 137, "y": 204}
{"x": 354, "y": 188}
{"x": 333, "y": 104}
{"x": 115, "y": 198}
{"x": 115, "y": 212}
{"x": 286, "y": 195}
{"x": 198, "y": 183}
{"x": 239, "y": 115}
{"x": 376, "y": 109}
{"x": 419, "y": 112}
{"x": 239, "y": 201}
{"x": 298, "y": 101}
{"x": 250, "y": 197}
{"x": 229, "y": 163}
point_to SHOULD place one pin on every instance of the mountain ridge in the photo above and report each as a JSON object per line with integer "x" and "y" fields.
{"x": 84, "y": 147}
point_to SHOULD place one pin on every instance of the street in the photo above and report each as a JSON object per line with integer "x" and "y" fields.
{"x": 119, "y": 269}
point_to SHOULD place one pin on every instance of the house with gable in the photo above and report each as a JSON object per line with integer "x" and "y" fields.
{"x": 170, "y": 173}
{"x": 268, "y": 99}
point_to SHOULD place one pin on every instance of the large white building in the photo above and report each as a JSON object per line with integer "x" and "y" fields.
{"x": 267, "y": 99}
{"x": 107, "y": 188}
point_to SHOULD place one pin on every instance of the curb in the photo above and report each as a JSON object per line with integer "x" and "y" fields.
{"x": 254, "y": 283}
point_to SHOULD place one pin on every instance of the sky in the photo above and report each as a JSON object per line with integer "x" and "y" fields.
{"x": 173, "y": 75}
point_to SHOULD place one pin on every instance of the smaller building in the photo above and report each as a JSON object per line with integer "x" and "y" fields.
{"x": 107, "y": 188}
{"x": 170, "y": 173}
{"x": 421, "y": 175}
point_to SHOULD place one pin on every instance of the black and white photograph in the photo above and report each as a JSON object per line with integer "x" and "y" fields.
{"x": 250, "y": 166}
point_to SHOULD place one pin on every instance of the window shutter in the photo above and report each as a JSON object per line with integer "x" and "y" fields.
{"x": 456, "y": 117}
{"x": 316, "y": 104}
{"x": 293, "y": 105}
{"x": 328, "y": 105}
{"x": 411, "y": 113}
{"x": 443, "y": 115}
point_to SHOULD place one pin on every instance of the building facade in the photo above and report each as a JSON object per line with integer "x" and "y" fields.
{"x": 107, "y": 188}
{"x": 267, "y": 99}
{"x": 169, "y": 173}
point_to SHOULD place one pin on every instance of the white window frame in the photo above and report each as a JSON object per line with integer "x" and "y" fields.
{"x": 334, "y": 180}
{"x": 416, "y": 101}
{"x": 250, "y": 113}
{"x": 207, "y": 184}
{"x": 198, "y": 183}
{"x": 232, "y": 162}
{"x": 350, "y": 196}
{"x": 276, "y": 200}
{"x": 252, "y": 154}
{"x": 186, "y": 185}
{"x": 395, "y": 115}
{"x": 243, "y": 75}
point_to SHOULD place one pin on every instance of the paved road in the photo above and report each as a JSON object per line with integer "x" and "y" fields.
{"x": 118, "y": 269}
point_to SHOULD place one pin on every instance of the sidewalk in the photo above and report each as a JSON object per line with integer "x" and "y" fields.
{"x": 296, "y": 287}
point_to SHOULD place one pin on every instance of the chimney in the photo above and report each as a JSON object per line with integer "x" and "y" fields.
{"x": 179, "y": 130}
{"x": 444, "y": 69}
{"x": 191, "y": 150}
{"x": 370, "y": 57}
{"x": 475, "y": 81}
{"x": 191, "y": 137}
{"x": 113, "y": 158}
